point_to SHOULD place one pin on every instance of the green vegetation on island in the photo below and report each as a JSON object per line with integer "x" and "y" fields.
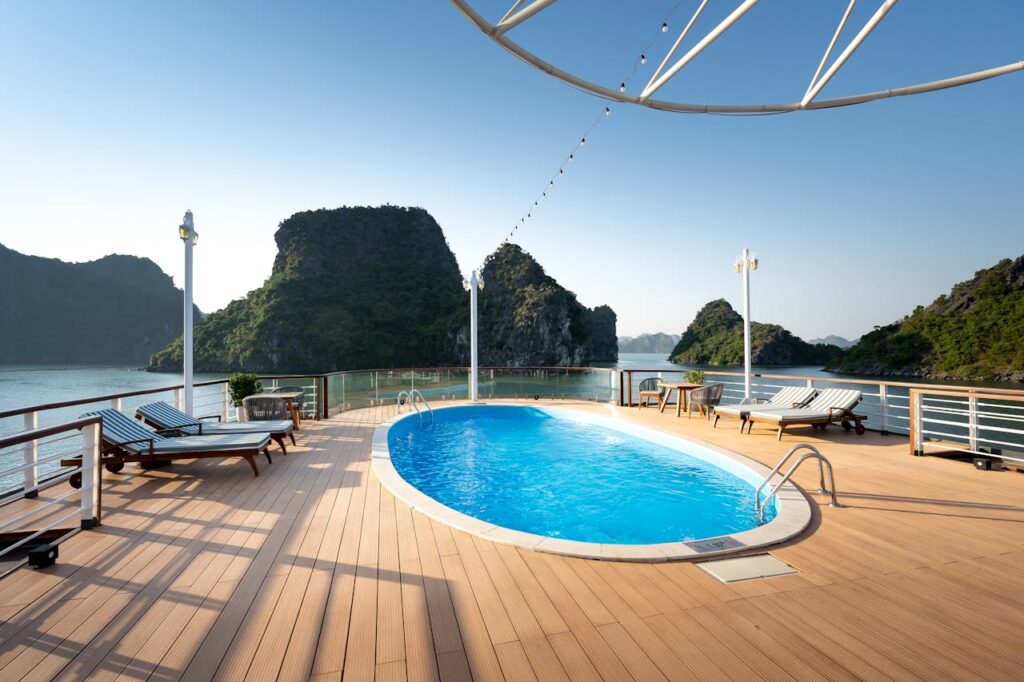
{"x": 115, "y": 310}
{"x": 527, "y": 318}
{"x": 973, "y": 333}
{"x": 364, "y": 288}
{"x": 715, "y": 337}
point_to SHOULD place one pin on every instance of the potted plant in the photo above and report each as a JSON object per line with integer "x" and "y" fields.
{"x": 695, "y": 376}
{"x": 241, "y": 385}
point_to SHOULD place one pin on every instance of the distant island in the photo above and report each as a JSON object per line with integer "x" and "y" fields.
{"x": 834, "y": 340}
{"x": 976, "y": 332}
{"x": 362, "y": 287}
{"x": 658, "y": 342}
{"x": 715, "y": 337}
{"x": 115, "y": 310}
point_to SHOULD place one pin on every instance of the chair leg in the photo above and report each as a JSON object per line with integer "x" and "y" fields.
{"x": 252, "y": 463}
{"x": 781, "y": 429}
{"x": 279, "y": 439}
{"x": 292, "y": 436}
{"x": 266, "y": 452}
{"x": 715, "y": 425}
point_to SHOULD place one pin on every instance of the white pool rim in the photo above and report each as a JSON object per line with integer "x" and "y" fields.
{"x": 792, "y": 517}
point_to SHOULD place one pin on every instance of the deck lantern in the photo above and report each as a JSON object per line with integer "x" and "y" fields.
{"x": 189, "y": 236}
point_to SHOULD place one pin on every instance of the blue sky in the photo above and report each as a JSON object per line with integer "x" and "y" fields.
{"x": 118, "y": 116}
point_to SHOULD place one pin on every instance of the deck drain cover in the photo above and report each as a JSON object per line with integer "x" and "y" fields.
{"x": 746, "y": 568}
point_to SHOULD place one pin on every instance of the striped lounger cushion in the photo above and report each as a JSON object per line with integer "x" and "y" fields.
{"x": 817, "y": 409}
{"x": 118, "y": 428}
{"x": 784, "y": 399}
{"x": 168, "y": 417}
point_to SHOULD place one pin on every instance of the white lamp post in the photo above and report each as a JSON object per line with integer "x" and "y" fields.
{"x": 476, "y": 282}
{"x": 746, "y": 262}
{"x": 188, "y": 234}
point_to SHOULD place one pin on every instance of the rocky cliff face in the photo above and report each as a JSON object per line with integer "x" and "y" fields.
{"x": 658, "y": 342}
{"x": 115, "y": 310}
{"x": 527, "y": 318}
{"x": 351, "y": 288}
{"x": 972, "y": 333}
{"x": 715, "y": 337}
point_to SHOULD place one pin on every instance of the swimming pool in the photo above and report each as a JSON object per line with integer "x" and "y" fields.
{"x": 549, "y": 474}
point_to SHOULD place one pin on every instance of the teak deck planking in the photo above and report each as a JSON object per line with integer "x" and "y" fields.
{"x": 313, "y": 570}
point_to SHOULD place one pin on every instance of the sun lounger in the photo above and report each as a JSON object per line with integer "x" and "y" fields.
{"x": 791, "y": 396}
{"x": 166, "y": 418}
{"x": 126, "y": 440}
{"x": 830, "y": 406}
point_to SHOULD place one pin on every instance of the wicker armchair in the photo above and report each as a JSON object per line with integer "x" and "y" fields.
{"x": 705, "y": 399}
{"x": 265, "y": 408}
{"x": 650, "y": 388}
{"x": 298, "y": 404}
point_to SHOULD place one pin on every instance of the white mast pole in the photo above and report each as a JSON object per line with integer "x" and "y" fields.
{"x": 473, "y": 363}
{"x": 746, "y": 325}
{"x": 188, "y": 235}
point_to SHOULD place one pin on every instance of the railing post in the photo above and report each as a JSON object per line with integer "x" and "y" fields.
{"x": 344, "y": 405}
{"x": 810, "y": 383}
{"x": 916, "y": 424}
{"x": 30, "y": 457}
{"x": 225, "y": 401}
{"x": 178, "y": 399}
{"x": 883, "y": 406}
{"x": 90, "y": 476}
{"x": 115, "y": 404}
{"x": 972, "y": 422}
{"x": 326, "y": 403}
{"x": 376, "y": 388}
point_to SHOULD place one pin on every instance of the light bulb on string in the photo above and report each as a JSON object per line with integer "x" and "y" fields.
{"x": 643, "y": 59}
{"x": 583, "y": 141}
{"x": 561, "y": 172}
{"x": 551, "y": 183}
{"x": 622, "y": 87}
{"x": 571, "y": 157}
{"x": 664, "y": 27}
{"x": 607, "y": 111}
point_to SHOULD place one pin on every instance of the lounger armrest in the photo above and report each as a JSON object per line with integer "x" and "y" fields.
{"x": 839, "y": 411}
{"x": 132, "y": 442}
{"x": 210, "y": 416}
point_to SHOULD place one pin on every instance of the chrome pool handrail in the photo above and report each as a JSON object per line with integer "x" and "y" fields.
{"x": 814, "y": 453}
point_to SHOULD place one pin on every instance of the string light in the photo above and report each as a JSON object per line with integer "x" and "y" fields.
{"x": 641, "y": 60}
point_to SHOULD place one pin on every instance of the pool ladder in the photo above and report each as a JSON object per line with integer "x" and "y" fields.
{"x": 412, "y": 397}
{"x": 813, "y": 453}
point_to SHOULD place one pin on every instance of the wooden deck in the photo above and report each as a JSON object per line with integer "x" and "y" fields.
{"x": 312, "y": 570}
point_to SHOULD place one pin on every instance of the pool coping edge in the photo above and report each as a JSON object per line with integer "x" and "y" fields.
{"x": 792, "y": 518}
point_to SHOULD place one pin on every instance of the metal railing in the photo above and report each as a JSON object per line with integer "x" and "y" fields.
{"x": 885, "y": 403}
{"x": 77, "y": 439}
{"x": 972, "y": 421}
{"x": 368, "y": 388}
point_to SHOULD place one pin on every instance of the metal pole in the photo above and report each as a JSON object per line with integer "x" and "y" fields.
{"x": 474, "y": 393}
{"x": 188, "y": 316}
{"x": 746, "y": 325}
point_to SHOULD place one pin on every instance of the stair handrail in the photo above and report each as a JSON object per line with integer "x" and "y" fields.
{"x": 415, "y": 394}
{"x": 813, "y": 453}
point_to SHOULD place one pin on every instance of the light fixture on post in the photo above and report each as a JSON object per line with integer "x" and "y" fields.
{"x": 475, "y": 283}
{"x": 187, "y": 233}
{"x": 746, "y": 262}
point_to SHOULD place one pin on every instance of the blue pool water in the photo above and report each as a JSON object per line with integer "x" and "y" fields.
{"x": 545, "y": 472}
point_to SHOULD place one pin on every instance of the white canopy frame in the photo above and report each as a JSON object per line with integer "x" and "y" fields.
{"x": 519, "y": 14}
